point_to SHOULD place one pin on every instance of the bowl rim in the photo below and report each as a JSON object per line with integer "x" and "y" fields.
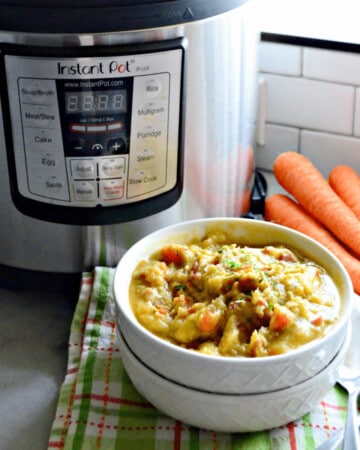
{"x": 264, "y": 396}
{"x": 232, "y": 360}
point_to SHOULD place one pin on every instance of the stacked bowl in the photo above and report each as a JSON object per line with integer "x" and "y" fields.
{"x": 226, "y": 393}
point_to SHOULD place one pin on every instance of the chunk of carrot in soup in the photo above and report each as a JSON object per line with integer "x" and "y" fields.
{"x": 172, "y": 254}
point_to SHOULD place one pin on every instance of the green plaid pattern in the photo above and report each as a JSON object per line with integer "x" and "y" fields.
{"x": 99, "y": 408}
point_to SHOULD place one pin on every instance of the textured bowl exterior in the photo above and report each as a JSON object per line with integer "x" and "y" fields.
{"x": 225, "y": 374}
{"x": 231, "y": 413}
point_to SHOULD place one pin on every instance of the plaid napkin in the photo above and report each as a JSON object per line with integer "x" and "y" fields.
{"x": 99, "y": 408}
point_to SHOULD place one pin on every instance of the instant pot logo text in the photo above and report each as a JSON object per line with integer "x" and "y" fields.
{"x": 94, "y": 69}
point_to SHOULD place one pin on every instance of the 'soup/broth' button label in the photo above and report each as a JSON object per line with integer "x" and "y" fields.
{"x": 37, "y": 91}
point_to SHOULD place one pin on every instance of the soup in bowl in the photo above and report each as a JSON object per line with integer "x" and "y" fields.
{"x": 232, "y": 305}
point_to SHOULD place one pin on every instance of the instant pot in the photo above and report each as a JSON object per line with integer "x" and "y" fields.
{"x": 119, "y": 117}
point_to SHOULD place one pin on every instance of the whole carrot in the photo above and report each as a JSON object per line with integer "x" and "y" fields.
{"x": 282, "y": 210}
{"x": 298, "y": 176}
{"x": 345, "y": 181}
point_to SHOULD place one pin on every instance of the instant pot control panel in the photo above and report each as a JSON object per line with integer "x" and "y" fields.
{"x": 94, "y": 135}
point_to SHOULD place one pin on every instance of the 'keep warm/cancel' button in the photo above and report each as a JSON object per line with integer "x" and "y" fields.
{"x": 112, "y": 189}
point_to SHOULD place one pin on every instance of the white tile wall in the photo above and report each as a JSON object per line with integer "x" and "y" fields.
{"x": 312, "y": 104}
{"x": 287, "y": 62}
{"x": 330, "y": 65}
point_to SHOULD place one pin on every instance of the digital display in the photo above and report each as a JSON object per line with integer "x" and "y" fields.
{"x": 96, "y": 102}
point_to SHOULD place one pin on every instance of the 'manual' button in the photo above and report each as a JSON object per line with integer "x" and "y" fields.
{"x": 84, "y": 191}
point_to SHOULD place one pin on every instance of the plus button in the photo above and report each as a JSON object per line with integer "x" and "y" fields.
{"x": 116, "y": 146}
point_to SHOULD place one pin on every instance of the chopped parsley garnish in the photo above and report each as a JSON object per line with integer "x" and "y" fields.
{"x": 231, "y": 264}
{"x": 180, "y": 287}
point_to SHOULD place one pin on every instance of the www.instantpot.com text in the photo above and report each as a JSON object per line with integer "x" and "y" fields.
{"x": 93, "y": 83}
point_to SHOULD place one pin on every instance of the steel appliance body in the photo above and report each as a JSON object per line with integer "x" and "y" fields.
{"x": 119, "y": 117}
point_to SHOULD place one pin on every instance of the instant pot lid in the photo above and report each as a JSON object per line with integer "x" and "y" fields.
{"x": 97, "y": 16}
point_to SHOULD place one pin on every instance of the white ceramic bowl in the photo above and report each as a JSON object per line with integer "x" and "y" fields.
{"x": 230, "y": 375}
{"x": 231, "y": 413}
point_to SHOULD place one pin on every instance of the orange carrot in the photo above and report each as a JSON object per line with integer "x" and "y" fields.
{"x": 282, "y": 210}
{"x": 209, "y": 322}
{"x": 346, "y": 183}
{"x": 173, "y": 254}
{"x": 317, "y": 321}
{"x": 279, "y": 321}
{"x": 298, "y": 176}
